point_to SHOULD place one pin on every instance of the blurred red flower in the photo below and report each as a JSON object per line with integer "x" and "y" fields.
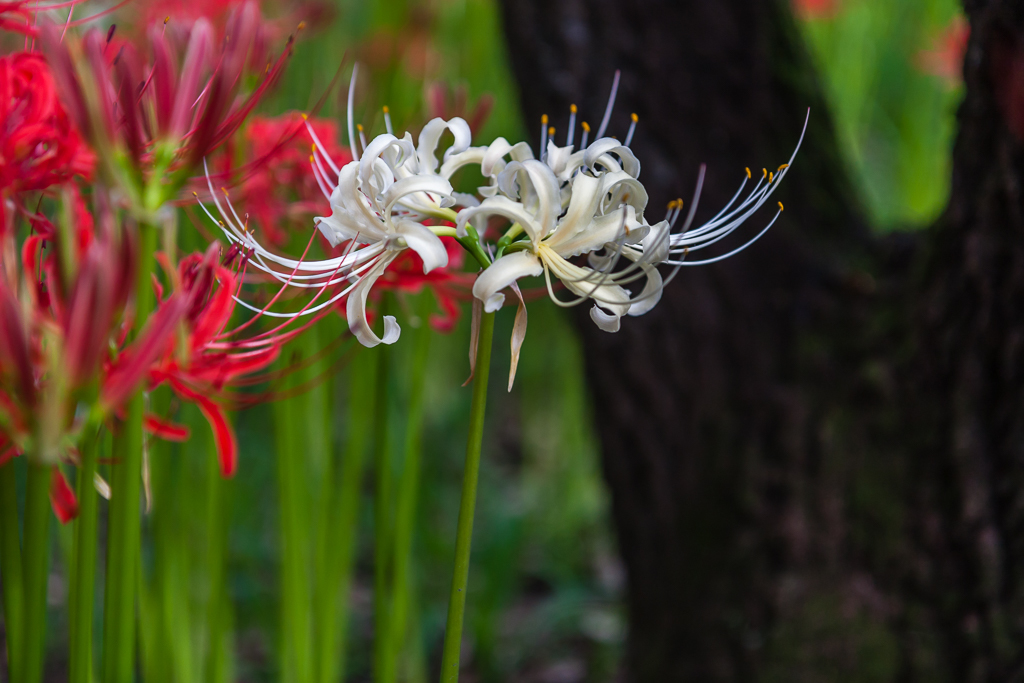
{"x": 281, "y": 191}
{"x": 945, "y": 57}
{"x": 39, "y": 146}
{"x": 816, "y": 9}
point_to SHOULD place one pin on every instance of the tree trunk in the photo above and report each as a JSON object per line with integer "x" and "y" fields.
{"x": 814, "y": 448}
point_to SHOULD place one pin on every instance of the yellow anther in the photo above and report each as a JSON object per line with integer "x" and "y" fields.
{"x": 544, "y": 119}
{"x": 386, "y": 110}
{"x": 586, "y": 126}
{"x": 225, "y": 191}
{"x": 195, "y": 195}
{"x": 305, "y": 117}
{"x": 572, "y": 108}
{"x": 771, "y": 176}
{"x": 551, "y": 132}
{"x": 765, "y": 170}
{"x": 314, "y": 147}
{"x": 672, "y": 205}
{"x": 748, "y": 173}
{"x": 780, "y": 206}
{"x": 167, "y": 18}
{"x": 311, "y": 158}
{"x": 634, "y": 117}
{"x": 302, "y": 25}
{"x": 679, "y": 202}
{"x": 782, "y": 167}
{"x": 359, "y": 127}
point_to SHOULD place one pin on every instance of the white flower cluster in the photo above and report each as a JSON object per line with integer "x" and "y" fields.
{"x": 558, "y": 208}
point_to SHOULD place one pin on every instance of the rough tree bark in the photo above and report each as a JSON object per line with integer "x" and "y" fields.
{"x": 815, "y": 449}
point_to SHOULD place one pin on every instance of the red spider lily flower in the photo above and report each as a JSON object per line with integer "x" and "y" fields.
{"x": 282, "y": 191}
{"x": 39, "y": 147}
{"x": 198, "y": 365}
{"x": 152, "y": 117}
{"x": 945, "y": 57}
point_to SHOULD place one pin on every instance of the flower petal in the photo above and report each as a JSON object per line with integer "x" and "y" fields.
{"x": 165, "y": 429}
{"x": 606, "y": 321}
{"x": 223, "y": 434}
{"x": 431, "y": 135}
{"x": 355, "y": 308}
{"x": 497, "y": 206}
{"x": 62, "y": 497}
{"x": 557, "y": 157}
{"x": 418, "y": 188}
{"x": 501, "y": 274}
{"x": 533, "y": 183}
{"x": 599, "y": 153}
{"x": 651, "y": 293}
{"x": 425, "y": 243}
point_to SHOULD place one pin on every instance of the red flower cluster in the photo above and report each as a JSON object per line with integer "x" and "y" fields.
{"x": 200, "y": 364}
{"x": 38, "y": 145}
{"x": 154, "y": 117}
{"x": 57, "y": 323}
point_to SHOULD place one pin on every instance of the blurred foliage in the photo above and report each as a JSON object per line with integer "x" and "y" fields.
{"x": 891, "y": 73}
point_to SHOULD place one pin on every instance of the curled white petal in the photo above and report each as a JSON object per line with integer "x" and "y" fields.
{"x": 651, "y": 293}
{"x": 606, "y": 321}
{"x": 425, "y": 243}
{"x": 599, "y": 154}
{"x": 355, "y": 309}
{"x": 558, "y": 157}
{"x": 431, "y": 135}
{"x": 501, "y": 274}
{"x": 498, "y": 206}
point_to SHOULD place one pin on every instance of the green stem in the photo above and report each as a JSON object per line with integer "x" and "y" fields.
{"x": 292, "y": 484}
{"x": 407, "y": 495}
{"x": 333, "y": 615}
{"x": 11, "y": 570}
{"x": 381, "y": 513}
{"x": 37, "y": 570}
{"x": 216, "y": 604}
{"x": 470, "y": 476}
{"x": 82, "y": 591}
{"x": 123, "y": 539}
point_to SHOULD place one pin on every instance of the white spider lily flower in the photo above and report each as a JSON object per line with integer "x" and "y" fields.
{"x": 601, "y": 211}
{"x": 374, "y": 204}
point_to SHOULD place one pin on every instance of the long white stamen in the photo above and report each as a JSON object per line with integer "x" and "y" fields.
{"x": 632, "y": 129}
{"x": 351, "y": 120}
{"x": 319, "y": 174}
{"x": 362, "y": 136}
{"x": 320, "y": 147}
{"x": 734, "y": 251}
{"x": 542, "y": 152}
{"x": 572, "y": 126}
{"x": 387, "y": 120}
{"x": 611, "y": 104}
{"x": 586, "y": 135}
